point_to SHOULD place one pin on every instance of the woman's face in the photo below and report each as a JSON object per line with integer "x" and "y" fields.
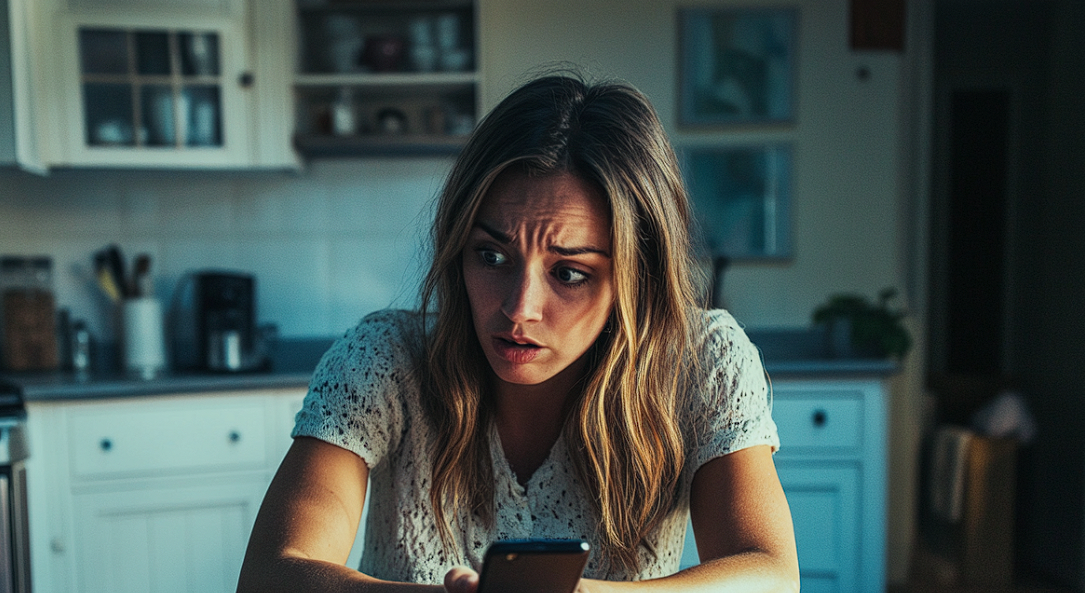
{"x": 539, "y": 277}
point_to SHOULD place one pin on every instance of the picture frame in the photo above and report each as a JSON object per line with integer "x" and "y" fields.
{"x": 741, "y": 199}
{"x": 736, "y": 66}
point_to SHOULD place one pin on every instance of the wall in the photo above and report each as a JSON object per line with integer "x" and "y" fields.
{"x": 845, "y": 136}
{"x": 1049, "y": 348}
{"x": 341, "y": 238}
{"x": 327, "y": 245}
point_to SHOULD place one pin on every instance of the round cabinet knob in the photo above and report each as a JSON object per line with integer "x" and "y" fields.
{"x": 57, "y": 545}
{"x": 820, "y": 418}
{"x": 235, "y": 436}
{"x": 106, "y": 445}
{"x": 246, "y": 79}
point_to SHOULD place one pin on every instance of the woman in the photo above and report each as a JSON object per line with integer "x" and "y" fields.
{"x": 564, "y": 384}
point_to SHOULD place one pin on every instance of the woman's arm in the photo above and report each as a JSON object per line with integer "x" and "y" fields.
{"x": 743, "y": 528}
{"x": 307, "y": 524}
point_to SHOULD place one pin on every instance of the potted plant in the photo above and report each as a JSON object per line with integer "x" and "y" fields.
{"x": 858, "y": 328}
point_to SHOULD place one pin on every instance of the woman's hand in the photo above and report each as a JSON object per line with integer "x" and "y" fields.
{"x": 461, "y": 580}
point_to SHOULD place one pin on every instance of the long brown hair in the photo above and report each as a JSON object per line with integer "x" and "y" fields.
{"x": 622, "y": 431}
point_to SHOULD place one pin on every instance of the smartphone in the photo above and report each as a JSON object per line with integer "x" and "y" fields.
{"x": 533, "y": 566}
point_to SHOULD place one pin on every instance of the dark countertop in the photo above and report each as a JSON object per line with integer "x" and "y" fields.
{"x": 291, "y": 367}
{"x": 787, "y": 354}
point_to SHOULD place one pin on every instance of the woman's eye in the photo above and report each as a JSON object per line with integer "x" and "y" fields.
{"x": 491, "y": 257}
{"x": 571, "y": 276}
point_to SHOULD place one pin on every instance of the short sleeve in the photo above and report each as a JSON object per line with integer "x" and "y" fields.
{"x": 356, "y": 399}
{"x": 731, "y": 405}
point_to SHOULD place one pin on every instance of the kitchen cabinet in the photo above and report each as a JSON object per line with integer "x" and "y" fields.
{"x": 832, "y": 465}
{"x": 386, "y": 77}
{"x": 153, "y": 493}
{"x": 7, "y": 100}
{"x": 18, "y": 139}
{"x": 156, "y": 84}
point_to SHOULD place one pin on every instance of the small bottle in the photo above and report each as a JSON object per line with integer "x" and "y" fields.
{"x": 343, "y": 123}
{"x": 80, "y": 348}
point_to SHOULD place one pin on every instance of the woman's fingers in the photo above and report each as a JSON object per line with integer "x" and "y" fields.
{"x": 461, "y": 579}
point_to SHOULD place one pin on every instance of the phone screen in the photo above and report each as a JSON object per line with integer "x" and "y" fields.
{"x": 533, "y": 566}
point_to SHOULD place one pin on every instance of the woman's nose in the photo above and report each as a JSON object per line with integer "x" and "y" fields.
{"x": 524, "y": 298}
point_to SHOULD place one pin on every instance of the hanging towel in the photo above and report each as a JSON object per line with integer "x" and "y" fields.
{"x": 949, "y": 466}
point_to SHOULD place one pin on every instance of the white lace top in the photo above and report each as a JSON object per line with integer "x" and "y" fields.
{"x": 365, "y": 398}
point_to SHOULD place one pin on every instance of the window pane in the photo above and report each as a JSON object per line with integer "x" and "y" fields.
{"x": 109, "y": 114}
{"x": 199, "y": 54}
{"x": 203, "y": 121}
{"x": 153, "y": 52}
{"x": 159, "y": 117}
{"x": 103, "y": 51}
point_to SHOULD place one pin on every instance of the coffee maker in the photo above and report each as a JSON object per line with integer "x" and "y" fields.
{"x": 216, "y": 328}
{"x": 225, "y": 320}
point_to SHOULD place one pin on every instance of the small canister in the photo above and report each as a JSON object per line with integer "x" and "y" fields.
{"x": 143, "y": 338}
{"x": 27, "y": 314}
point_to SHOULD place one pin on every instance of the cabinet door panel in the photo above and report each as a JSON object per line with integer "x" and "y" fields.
{"x": 825, "y": 510}
{"x": 162, "y": 541}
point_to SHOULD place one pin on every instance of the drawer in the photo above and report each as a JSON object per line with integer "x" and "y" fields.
{"x": 160, "y": 439}
{"x": 823, "y": 421}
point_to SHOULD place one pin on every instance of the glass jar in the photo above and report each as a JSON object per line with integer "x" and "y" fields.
{"x": 27, "y": 314}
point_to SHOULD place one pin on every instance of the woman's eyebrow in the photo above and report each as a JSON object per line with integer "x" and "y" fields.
{"x": 505, "y": 239}
{"x": 498, "y": 236}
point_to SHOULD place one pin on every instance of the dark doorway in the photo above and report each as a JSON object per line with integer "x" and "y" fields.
{"x": 978, "y": 177}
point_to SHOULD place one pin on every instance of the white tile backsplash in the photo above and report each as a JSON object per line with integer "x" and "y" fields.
{"x": 327, "y": 245}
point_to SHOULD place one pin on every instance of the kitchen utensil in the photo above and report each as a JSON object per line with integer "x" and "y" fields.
{"x": 116, "y": 268}
{"x": 105, "y": 277}
{"x": 142, "y": 285}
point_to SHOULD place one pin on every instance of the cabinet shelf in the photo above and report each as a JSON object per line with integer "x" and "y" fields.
{"x": 388, "y": 80}
{"x": 320, "y": 145}
{"x": 369, "y": 6}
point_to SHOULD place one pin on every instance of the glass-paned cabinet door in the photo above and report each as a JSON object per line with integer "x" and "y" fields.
{"x": 151, "y": 88}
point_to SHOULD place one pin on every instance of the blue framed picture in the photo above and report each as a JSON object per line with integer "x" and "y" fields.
{"x": 737, "y": 66}
{"x": 741, "y": 199}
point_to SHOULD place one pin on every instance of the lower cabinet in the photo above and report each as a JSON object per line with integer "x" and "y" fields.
{"x": 151, "y": 494}
{"x": 159, "y": 494}
{"x": 832, "y": 465}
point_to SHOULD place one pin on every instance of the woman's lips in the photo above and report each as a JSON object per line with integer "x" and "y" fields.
{"x": 515, "y": 352}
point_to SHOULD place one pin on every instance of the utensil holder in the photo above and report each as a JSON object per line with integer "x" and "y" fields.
{"x": 144, "y": 344}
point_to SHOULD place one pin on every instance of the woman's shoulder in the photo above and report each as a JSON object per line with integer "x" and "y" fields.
{"x": 387, "y": 328}
{"x": 717, "y": 327}
{"x": 389, "y": 338}
{"x": 722, "y": 346}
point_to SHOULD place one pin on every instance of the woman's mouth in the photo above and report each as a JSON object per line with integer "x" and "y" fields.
{"x": 515, "y": 352}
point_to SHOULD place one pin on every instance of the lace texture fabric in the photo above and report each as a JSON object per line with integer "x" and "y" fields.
{"x": 365, "y": 397}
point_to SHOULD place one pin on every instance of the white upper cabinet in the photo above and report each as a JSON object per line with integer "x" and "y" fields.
{"x": 7, "y": 107}
{"x": 158, "y": 83}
